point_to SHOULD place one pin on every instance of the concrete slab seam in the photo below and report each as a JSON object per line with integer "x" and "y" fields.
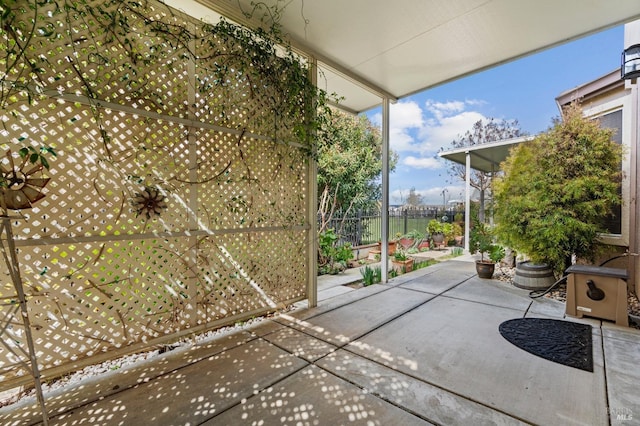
{"x": 121, "y": 389}
{"x": 421, "y": 380}
{"x": 340, "y": 306}
{"x": 256, "y": 392}
{"x": 604, "y": 373}
{"x": 479, "y": 303}
{"x": 436, "y": 294}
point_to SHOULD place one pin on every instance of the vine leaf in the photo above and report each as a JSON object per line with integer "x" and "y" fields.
{"x": 37, "y": 156}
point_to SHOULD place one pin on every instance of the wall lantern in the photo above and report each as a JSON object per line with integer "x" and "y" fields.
{"x": 630, "y": 67}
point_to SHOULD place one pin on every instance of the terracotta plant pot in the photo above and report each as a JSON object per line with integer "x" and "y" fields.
{"x": 423, "y": 245}
{"x": 406, "y": 242}
{"x": 402, "y": 266}
{"x": 392, "y": 247}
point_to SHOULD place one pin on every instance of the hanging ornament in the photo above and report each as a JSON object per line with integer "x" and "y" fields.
{"x": 22, "y": 185}
{"x": 150, "y": 202}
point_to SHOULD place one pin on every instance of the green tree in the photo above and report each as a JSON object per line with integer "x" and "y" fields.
{"x": 482, "y": 132}
{"x": 557, "y": 189}
{"x": 349, "y": 166}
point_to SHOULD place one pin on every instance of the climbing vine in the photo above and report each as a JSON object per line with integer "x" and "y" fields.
{"x": 134, "y": 53}
{"x": 96, "y": 44}
{"x": 178, "y": 193}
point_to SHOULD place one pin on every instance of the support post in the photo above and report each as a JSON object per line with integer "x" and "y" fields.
{"x": 384, "y": 213}
{"x": 192, "y": 259}
{"x": 634, "y": 214}
{"x": 11, "y": 259}
{"x": 312, "y": 209}
{"x": 467, "y": 202}
{"x": 632, "y": 37}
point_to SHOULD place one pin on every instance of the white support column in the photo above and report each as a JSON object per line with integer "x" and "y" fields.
{"x": 384, "y": 209}
{"x": 467, "y": 202}
{"x": 312, "y": 214}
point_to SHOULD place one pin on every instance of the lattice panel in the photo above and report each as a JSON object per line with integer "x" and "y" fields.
{"x": 252, "y": 183}
{"x": 85, "y": 299}
{"x": 123, "y": 64}
{"x": 178, "y": 193}
{"x": 13, "y": 352}
{"x": 244, "y": 272}
{"x": 93, "y": 183}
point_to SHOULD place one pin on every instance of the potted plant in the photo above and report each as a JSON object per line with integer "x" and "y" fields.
{"x": 410, "y": 238}
{"x": 481, "y": 241}
{"x": 391, "y": 244}
{"x": 458, "y": 234}
{"x": 439, "y": 232}
{"x": 401, "y": 261}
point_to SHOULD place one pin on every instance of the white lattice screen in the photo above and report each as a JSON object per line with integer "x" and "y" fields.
{"x": 128, "y": 110}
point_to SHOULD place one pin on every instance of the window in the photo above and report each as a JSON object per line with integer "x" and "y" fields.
{"x": 613, "y": 120}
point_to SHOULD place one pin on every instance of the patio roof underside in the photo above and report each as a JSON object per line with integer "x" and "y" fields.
{"x": 372, "y": 49}
{"x": 486, "y": 157}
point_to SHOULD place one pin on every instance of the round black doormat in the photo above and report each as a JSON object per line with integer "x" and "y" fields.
{"x": 564, "y": 342}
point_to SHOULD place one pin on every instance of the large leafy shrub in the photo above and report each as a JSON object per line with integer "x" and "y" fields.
{"x": 557, "y": 189}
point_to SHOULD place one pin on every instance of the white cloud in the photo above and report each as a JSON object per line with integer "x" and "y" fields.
{"x": 422, "y": 163}
{"x": 403, "y": 117}
{"x": 424, "y": 129}
{"x": 440, "y": 109}
{"x": 440, "y": 132}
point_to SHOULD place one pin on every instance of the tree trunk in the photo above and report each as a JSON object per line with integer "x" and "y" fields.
{"x": 481, "y": 210}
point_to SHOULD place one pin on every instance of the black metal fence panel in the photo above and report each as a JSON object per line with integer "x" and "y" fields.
{"x": 365, "y": 226}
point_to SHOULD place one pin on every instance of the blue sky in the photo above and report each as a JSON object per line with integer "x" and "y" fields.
{"x": 524, "y": 90}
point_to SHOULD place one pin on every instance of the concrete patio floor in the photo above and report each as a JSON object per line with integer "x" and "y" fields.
{"x": 422, "y": 349}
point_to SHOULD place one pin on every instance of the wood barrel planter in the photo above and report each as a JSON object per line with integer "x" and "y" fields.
{"x": 532, "y": 276}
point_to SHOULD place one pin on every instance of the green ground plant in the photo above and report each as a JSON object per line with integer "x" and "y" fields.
{"x": 424, "y": 263}
{"x": 332, "y": 256}
{"x": 371, "y": 275}
{"x": 457, "y": 251}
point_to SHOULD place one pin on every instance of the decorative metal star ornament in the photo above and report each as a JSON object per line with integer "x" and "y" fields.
{"x": 150, "y": 202}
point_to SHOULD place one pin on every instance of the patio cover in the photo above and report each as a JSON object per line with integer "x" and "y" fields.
{"x": 485, "y": 158}
{"x": 371, "y": 49}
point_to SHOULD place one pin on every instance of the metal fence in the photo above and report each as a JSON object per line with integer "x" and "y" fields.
{"x": 365, "y": 226}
